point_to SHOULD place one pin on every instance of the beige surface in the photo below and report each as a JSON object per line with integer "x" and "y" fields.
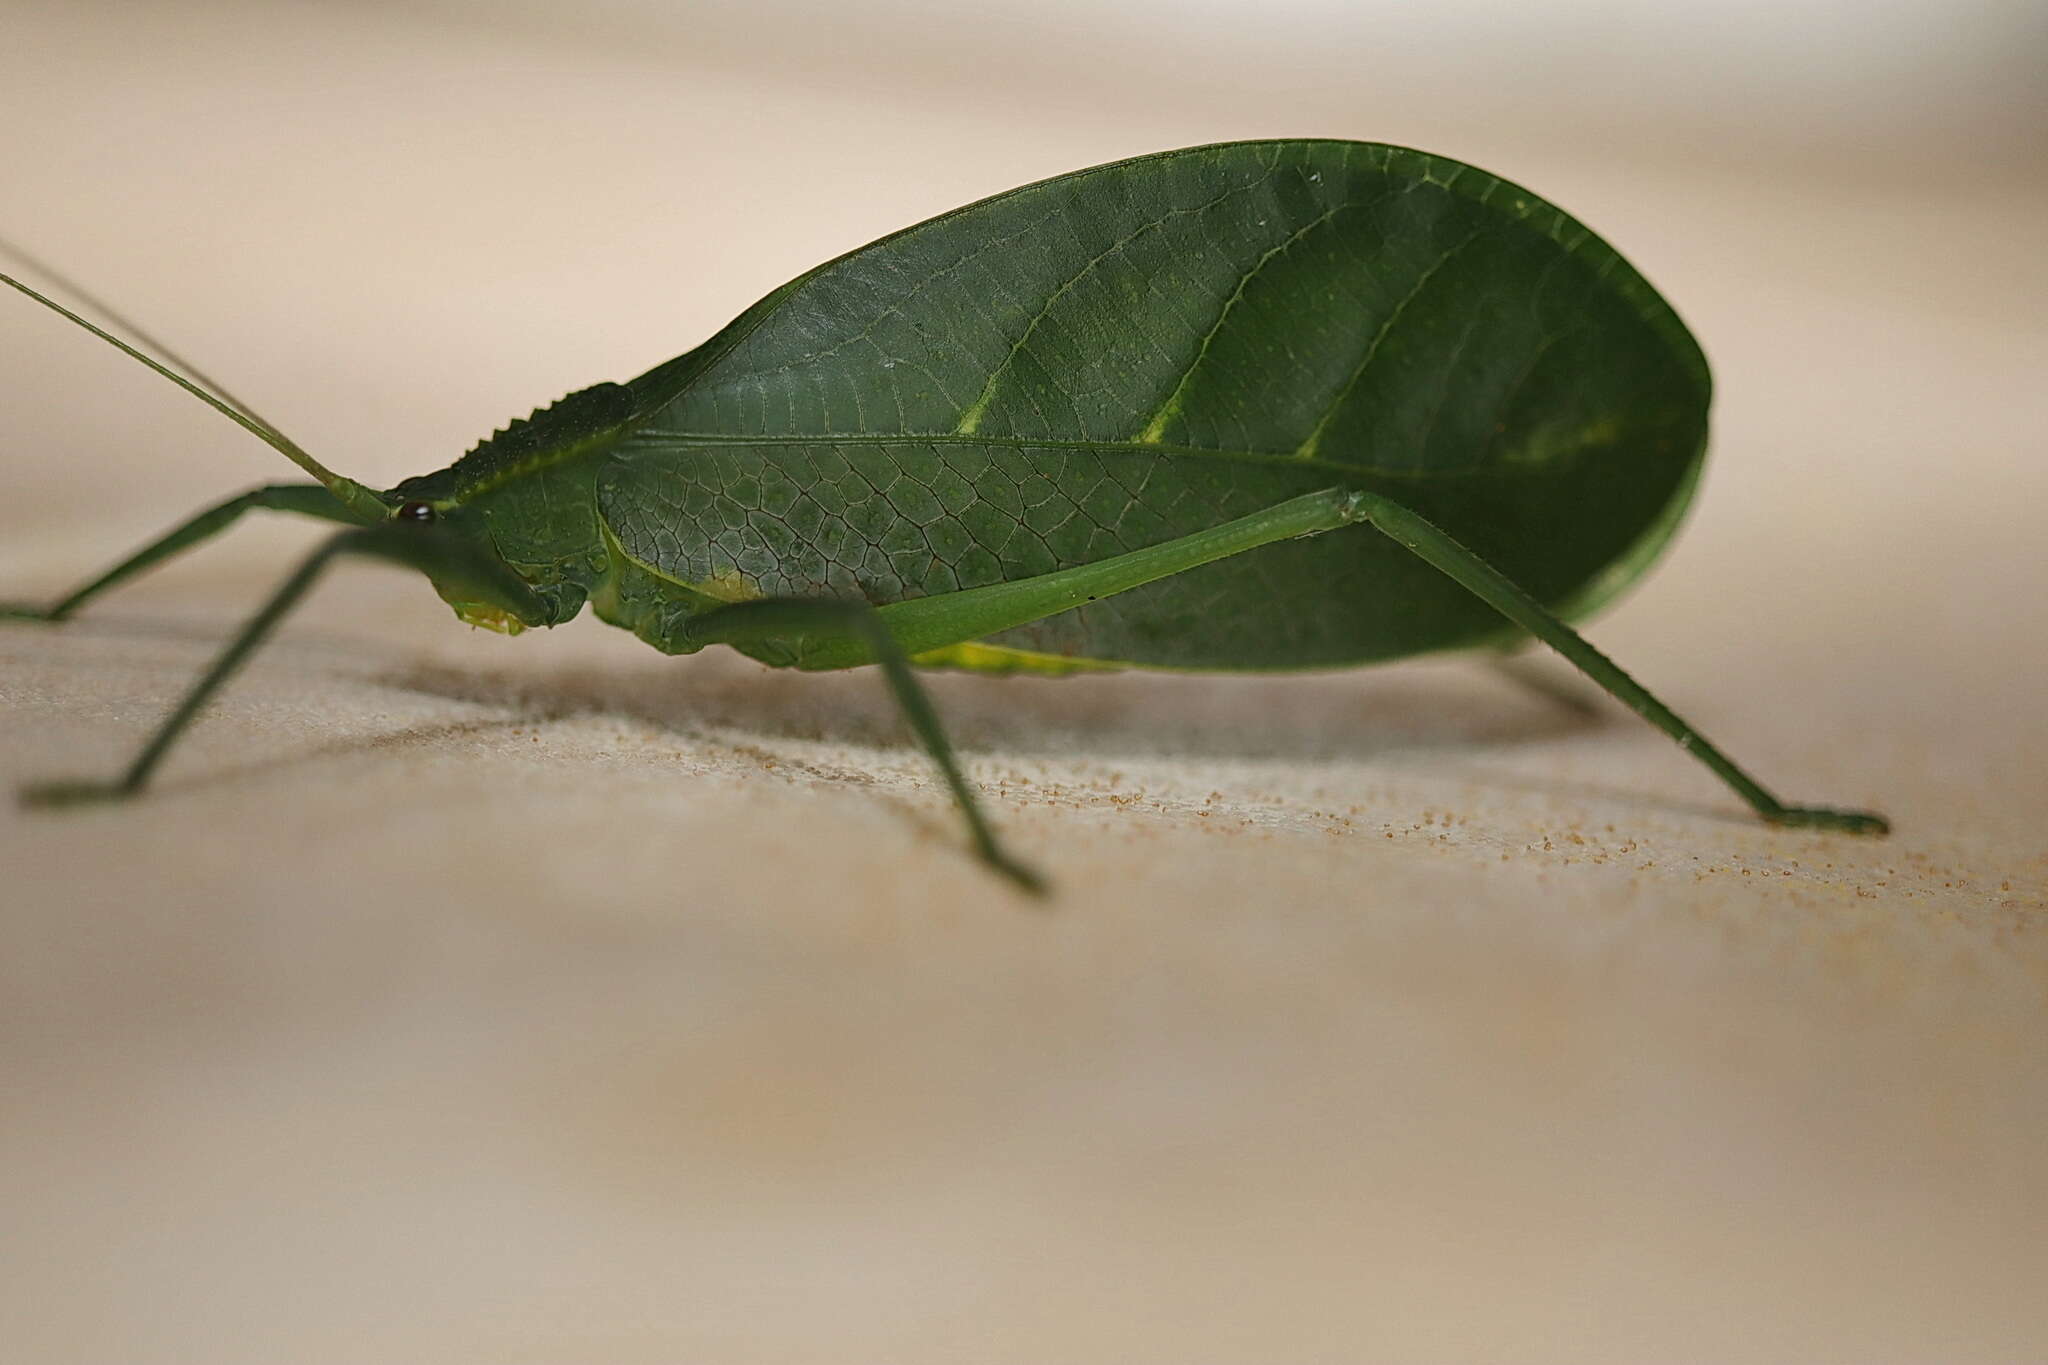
{"x": 462, "y": 999}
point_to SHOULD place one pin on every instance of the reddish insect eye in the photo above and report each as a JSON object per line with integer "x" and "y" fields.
{"x": 416, "y": 511}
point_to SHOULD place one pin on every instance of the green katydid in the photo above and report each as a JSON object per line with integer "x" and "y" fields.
{"x": 1256, "y": 406}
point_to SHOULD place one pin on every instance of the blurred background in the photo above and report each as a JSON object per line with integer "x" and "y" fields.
{"x": 559, "y": 193}
{"x": 464, "y": 1000}
{"x": 1800, "y": 77}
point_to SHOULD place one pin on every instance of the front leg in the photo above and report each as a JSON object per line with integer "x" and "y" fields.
{"x": 305, "y": 499}
{"x": 441, "y": 556}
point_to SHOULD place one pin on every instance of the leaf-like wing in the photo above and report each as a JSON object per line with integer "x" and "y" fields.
{"x": 1125, "y": 354}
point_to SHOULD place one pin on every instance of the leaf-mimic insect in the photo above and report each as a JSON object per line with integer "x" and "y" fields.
{"x": 1257, "y": 406}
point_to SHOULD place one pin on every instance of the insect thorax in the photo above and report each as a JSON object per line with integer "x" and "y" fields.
{"x": 529, "y": 491}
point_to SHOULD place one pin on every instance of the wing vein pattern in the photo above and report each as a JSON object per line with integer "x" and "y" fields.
{"x": 1111, "y": 359}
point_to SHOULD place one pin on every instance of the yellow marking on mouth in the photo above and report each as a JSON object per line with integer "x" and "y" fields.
{"x": 489, "y": 617}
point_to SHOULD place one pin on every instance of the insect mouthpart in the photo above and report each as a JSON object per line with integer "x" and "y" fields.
{"x": 489, "y": 616}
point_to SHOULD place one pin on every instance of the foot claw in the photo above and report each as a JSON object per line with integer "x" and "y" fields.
{"x": 1841, "y": 821}
{"x": 1022, "y": 877}
{"x": 22, "y": 611}
{"x": 57, "y": 795}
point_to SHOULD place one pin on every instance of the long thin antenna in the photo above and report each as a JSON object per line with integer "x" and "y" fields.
{"x": 206, "y": 390}
{"x": 67, "y": 285}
